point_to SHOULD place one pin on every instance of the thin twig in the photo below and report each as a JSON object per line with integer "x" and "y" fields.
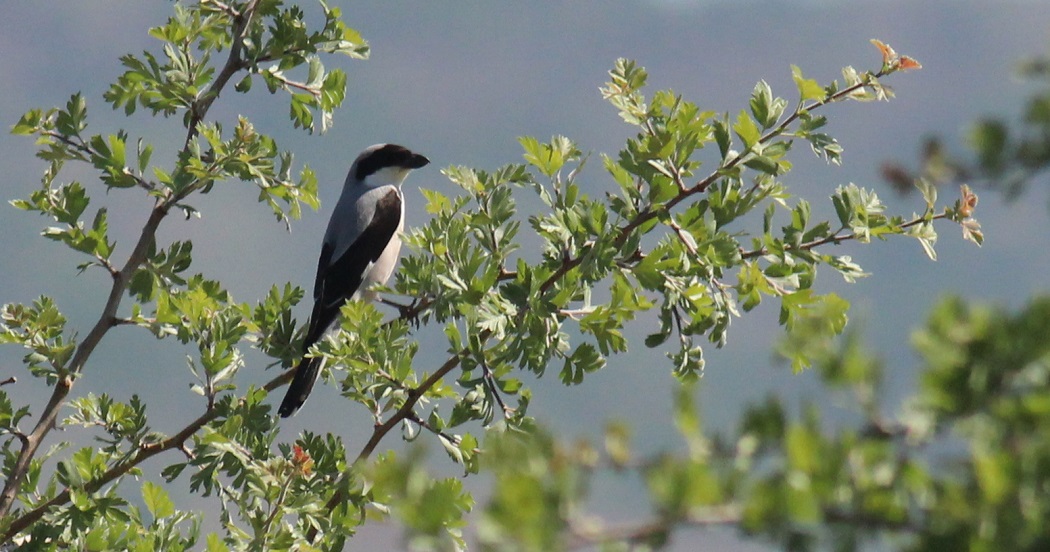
{"x": 187, "y": 452}
{"x": 82, "y": 147}
{"x": 648, "y": 213}
{"x": 576, "y": 314}
{"x": 288, "y": 83}
{"x": 684, "y": 237}
{"x": 106, "y": 264}
{"x": 413, "y": 417}
{"x": 836, "y": 238}
{"x": 225, "y": 8}
{"x": 410, "y": 312}
{"x": 68, "y": 376}
{"x": 121, "y": 321}
{"x": 490, "y": 380}
{"x": 275, "y": 508}
{"x": 380, "y": 430}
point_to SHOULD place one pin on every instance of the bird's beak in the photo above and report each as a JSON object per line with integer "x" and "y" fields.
{"x": 417, "y": 161}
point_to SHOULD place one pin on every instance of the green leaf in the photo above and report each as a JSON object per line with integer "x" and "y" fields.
{"x": 927, "y": 237}
{"x": 244, "y": 85}
{"x": 29, "y": 123}
{"x": 808, "y": 89}
{"x": 763, "y": 164}
{"x": 761, "y": 102}
{"x": 436, "y": 201}
{"x": 72, "y": 120}
{"x": 928, "y": 191}
{"x": 585, "y": 359}
{"x": 68, "y": 203}
{"x": 299, "y": 111}
{"x": 215, "y": 543}
{"x": 549, "y": 158}
{"x": 746, "y": 129}
{"x": 992, "y": 471}
{"x": 765, "y": 108}
{"x": 722, "y": 137}
{"x": 145, "y": 152}
{"x": 989, "y": 139}
{"x": 157, "y": 501}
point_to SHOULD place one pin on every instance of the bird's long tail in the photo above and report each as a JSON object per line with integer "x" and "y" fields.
{"x": 302, "y": 383}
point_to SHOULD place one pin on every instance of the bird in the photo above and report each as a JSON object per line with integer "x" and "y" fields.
{"x": 360, "y": 249}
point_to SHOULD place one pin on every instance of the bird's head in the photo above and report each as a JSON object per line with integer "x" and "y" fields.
{"x": 384, "y": 164}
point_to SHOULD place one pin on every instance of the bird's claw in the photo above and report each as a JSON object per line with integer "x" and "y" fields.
{"x": 410, "y": 313}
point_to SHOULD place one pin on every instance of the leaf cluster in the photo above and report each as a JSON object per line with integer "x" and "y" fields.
{"x": 960, "y": 467}
{"x": 688, "y": 226}
{"x": 79, "y": 499}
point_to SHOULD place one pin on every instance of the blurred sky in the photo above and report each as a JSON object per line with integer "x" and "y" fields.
{"x": 459, "y": 82}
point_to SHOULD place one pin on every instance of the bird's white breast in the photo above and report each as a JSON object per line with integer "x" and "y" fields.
{"x": 380, "y": 271}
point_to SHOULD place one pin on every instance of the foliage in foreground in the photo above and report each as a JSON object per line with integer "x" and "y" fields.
{"x": 964, "y": 466}
{"x": 696, "y": 224}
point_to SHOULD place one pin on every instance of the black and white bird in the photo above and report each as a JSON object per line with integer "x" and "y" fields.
{"x": 360, "y": 250}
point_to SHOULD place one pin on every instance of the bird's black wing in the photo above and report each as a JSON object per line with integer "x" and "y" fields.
{"x": 338, "y": 279}
{"x": 336, "y": 282}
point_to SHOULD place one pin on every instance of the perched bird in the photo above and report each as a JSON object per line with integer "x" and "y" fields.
{"x": 360, "y": 249}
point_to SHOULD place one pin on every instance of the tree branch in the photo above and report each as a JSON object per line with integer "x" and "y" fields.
{"x": 835, "y": 238}
{"x": 648, "y": 213}
{"x": 407, "y": 409}
{"x": 121, "y": 279}
{"x": 144, "y": 452}
{"x": 69, "y": 374}
{"x": 379, "y": 431}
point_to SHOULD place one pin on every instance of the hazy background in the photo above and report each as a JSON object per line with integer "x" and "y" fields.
{"x": 459, "y": 82}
